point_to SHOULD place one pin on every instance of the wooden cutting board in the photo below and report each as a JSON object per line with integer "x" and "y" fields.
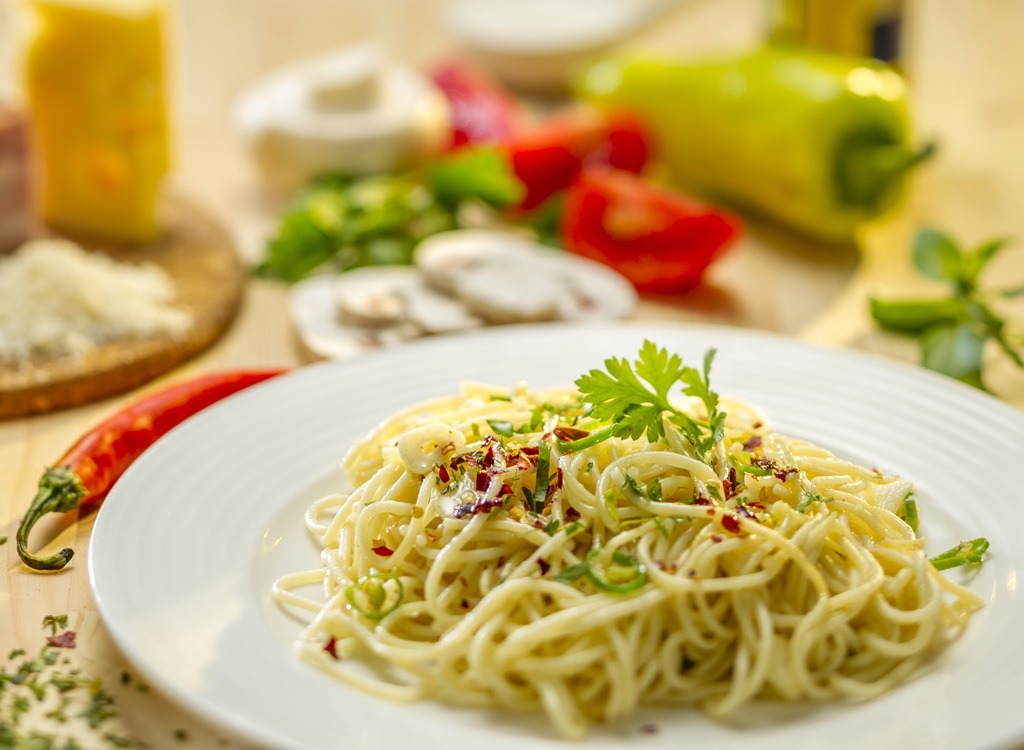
{"x": 209, "y": 278}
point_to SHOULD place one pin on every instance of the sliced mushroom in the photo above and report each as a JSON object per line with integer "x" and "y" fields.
{"x": 491, "y": 277}
{"x": 508, "y": 279}
{"x": 505, "y": 292}
{"x": 374, "y": 296}
{"x": 593, "y": 290}
{"x": 444, "y": 257}
{"x": 314, "y": 312}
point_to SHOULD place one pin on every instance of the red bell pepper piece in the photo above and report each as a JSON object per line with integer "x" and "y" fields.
{"x": 660, "y": 240}
{"x": 549, "y": 157}
{"x": 87, "y": 472}
{"x": 482, "y": 112}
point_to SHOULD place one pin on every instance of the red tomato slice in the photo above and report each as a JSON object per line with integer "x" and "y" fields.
{"x": 548, "y": 158}
{"x": 660, "y": 240}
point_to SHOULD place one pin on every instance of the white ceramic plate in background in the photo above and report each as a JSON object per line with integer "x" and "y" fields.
{"x": 186, "y": 546}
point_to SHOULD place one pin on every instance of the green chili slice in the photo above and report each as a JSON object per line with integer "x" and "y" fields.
{"x": 625, "y": 574}
{"x": 910, "y": 511}
{"x": 376, "y": 596}
{"x": 972, "y": 551}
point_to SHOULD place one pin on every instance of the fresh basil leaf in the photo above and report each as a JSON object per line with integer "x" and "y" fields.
{"x": 954, "y": 350}
{"x": 975, "y": 261}
{"x": 913, "y": 316}
{"x": 936, "y": 255}
{"x": 1017, "y": 291}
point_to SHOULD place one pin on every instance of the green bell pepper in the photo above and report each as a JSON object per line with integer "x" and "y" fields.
{"x": 817, "y": 141}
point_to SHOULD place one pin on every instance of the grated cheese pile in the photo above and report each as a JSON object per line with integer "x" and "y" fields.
{"x": 57, "y": 298}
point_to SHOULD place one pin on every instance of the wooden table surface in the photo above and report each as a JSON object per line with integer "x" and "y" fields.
{"x": 967, "y": 72}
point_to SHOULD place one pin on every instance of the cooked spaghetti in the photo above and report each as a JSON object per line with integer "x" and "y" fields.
{"x": 499, "y": 550}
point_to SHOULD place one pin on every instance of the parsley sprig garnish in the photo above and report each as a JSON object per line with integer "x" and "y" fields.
{"x": 954, "y": 329}
{"x": 634, "y": 399}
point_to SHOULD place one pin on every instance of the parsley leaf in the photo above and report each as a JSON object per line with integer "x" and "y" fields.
{"x": 481, "y": 174}
{"x": 634, "y": 398}
{"x": 341, "y": 222}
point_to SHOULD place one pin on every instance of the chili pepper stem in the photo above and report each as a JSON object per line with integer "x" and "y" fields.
{"x": 60, "y": 490}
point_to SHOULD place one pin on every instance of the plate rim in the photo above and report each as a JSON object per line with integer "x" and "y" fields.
{"x": 201, "y": 707}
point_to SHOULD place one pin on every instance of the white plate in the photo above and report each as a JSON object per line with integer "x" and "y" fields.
{"x": 186, "y": 546}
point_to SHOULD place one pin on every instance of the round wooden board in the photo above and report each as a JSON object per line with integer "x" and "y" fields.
{"x": 209, "y": 279}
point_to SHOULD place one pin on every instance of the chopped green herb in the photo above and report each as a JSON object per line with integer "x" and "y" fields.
{"x": 3, "y": 540}
{"x": 53, "y": 622}
{"x": 651, "y": 492}
{"x": 574, "y": 527}
{"x": 808, "y": 497}
{"x": 540, "y": 493}
{"x": 501, "y": 427}
{"x": 79, "y": 703}
{"x": 552, "y": 527}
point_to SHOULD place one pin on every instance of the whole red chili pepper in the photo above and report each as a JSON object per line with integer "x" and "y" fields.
{"x": 85, "y": 474}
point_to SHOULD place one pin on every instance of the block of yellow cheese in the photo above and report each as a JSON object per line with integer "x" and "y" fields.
{"x": 94, "y": 80}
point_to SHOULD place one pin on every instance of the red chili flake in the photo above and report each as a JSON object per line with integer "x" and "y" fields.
{"x": 557, "y": 484}
{"x": 332, "y": 647}
{"x": 480, "y": 506}
{"x": 783, "y": 474}
{"x": 506, "y": 489}
{"x": 691, "y": 573}
{"x": 464, "y": 458}
{"x": 649, "y": 729}
{"x": 701, "y": 500}
{"x": 383, "y": 550}
{"x": 757, "y": 425}
{"x": 545, "y": 566}
{"x": 745, "y": 511}
{"x": 501, "y": 562}
{"x": 729, "y": 485}
{"x": 716, "y": 538}
{"x": 567, "y": 434}
{"x": 731, "y": 523}
{"x": 464, "y": 604}
{"x": 443, "y": 475}
{"x": 483, "y": 481}
{"x": 571, "y": 514}
{"x": 530, "y": 450}
{"x": 752, "y": 443}
{"x": 523, "y": 462}
{"x": 63, "y": 640}
{"x": 769, "y": 465}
